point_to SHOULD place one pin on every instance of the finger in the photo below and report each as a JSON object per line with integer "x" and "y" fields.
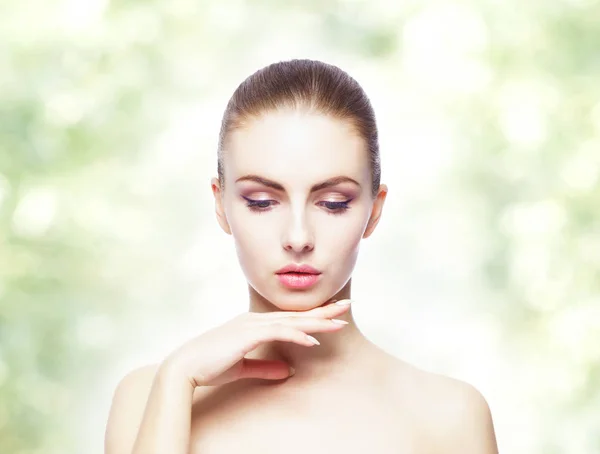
{"x": 326, "y": 311}
{"x": 338, "y": 307}
{"x": 307, "y": 324}
{"x": 263, "y": 368}
{"x": 276, "y": 332}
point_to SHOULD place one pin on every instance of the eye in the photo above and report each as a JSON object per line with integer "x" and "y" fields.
{"x": 337, "y": 207}
{"x": 258, "y": 206}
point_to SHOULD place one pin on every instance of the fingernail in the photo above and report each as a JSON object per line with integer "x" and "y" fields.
{"x": 339, "y": 322}
{"x": 313, "y": 340}
{"x": 292, "y": 371}
{"x": 344, "y": 302}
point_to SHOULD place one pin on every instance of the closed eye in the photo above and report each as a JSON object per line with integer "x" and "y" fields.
{"x": 337, "y": 207}
{"x": 261, "y": 206}
{"x": 258, "y": 205}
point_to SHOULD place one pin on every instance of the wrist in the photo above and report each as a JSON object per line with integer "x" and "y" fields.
{"x": 170, "y": 374}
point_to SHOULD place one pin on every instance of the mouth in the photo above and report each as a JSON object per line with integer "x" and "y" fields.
{"x": 298, "y": 269}
{"x": 298, "y": 280}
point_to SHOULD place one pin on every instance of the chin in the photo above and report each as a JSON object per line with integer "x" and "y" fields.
{"x": 301, "y": 300}
{"x": 293, "y": 300}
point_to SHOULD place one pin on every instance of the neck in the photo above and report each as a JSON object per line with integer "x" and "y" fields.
{"x": 324, "y": 361}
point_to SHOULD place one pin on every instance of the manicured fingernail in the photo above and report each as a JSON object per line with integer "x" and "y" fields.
{"x": 344, "y": 302}
{"x": 292, "y": 371}
{"x": 313, "y": 340}
{"x": 339, "y": 322}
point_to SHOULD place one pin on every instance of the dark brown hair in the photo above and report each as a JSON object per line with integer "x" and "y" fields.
{"x": 310, "y": 85}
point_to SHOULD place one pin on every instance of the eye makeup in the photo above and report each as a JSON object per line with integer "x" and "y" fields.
{"x": 261, "y": 206}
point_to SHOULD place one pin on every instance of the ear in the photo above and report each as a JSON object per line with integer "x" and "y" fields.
{"x": 376, "y": 211}
{"x": 219, "y": 207}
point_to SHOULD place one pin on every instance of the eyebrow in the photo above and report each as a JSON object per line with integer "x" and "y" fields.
{"x": 317, "y": 187}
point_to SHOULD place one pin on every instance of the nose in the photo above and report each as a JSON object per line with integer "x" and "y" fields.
{"x": 298, "y": 236}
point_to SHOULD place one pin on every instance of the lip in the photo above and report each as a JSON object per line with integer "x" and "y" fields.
{"x": 298, "y": 280}
{"x": 302, "y": 268}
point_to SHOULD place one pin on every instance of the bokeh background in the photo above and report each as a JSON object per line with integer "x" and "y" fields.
{"x": 485, "y": 266}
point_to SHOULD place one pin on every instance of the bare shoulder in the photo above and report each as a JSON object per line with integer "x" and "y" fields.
{"x": 127, "y": 409}
{"x": 456, "y": 416}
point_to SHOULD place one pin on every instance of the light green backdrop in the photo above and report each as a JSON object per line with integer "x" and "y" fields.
{"x": 486, "y": 265}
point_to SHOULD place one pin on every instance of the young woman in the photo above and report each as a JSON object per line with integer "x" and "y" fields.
{"x": 298, "y": 188}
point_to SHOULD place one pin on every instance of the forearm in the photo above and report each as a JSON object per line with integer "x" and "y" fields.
{"x": 165, "y": 426}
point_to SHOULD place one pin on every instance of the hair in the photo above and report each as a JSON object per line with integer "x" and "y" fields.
{"x": 312, "y": 86}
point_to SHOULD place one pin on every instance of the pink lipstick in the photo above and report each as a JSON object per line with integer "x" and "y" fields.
{"x": 298, "y": 276}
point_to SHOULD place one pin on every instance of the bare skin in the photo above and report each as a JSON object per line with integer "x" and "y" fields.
{"x": 230, "y": 389}
{"x": 374, "y": 402}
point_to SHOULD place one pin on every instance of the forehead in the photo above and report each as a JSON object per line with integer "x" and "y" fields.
{"x": 291, "y": 144}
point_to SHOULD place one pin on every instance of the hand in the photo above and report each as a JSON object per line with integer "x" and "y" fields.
{"x": 216, "y": 357}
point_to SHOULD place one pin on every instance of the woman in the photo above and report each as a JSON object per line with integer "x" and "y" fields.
{"x": 298, "y": 187}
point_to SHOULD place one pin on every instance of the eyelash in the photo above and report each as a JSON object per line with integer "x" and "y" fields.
{"x": 338, "y": 207}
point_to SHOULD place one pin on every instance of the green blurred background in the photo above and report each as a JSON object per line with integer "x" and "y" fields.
{"x": 485, "y": 267}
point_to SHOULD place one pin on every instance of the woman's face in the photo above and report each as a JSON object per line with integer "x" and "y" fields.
{"x": 279, "y": 215}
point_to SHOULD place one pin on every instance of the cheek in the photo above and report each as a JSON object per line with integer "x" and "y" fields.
{"x": 251, "y": 257}
{"x": 345, "y": 234}
{"x": 250, "y": 242}
{"x": 342, "y": 239}
{"x": 341, "y": 248}
{"x": 253, "y": 241}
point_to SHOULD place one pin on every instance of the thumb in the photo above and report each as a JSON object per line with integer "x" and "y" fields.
{"x": 265, "y": 368}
